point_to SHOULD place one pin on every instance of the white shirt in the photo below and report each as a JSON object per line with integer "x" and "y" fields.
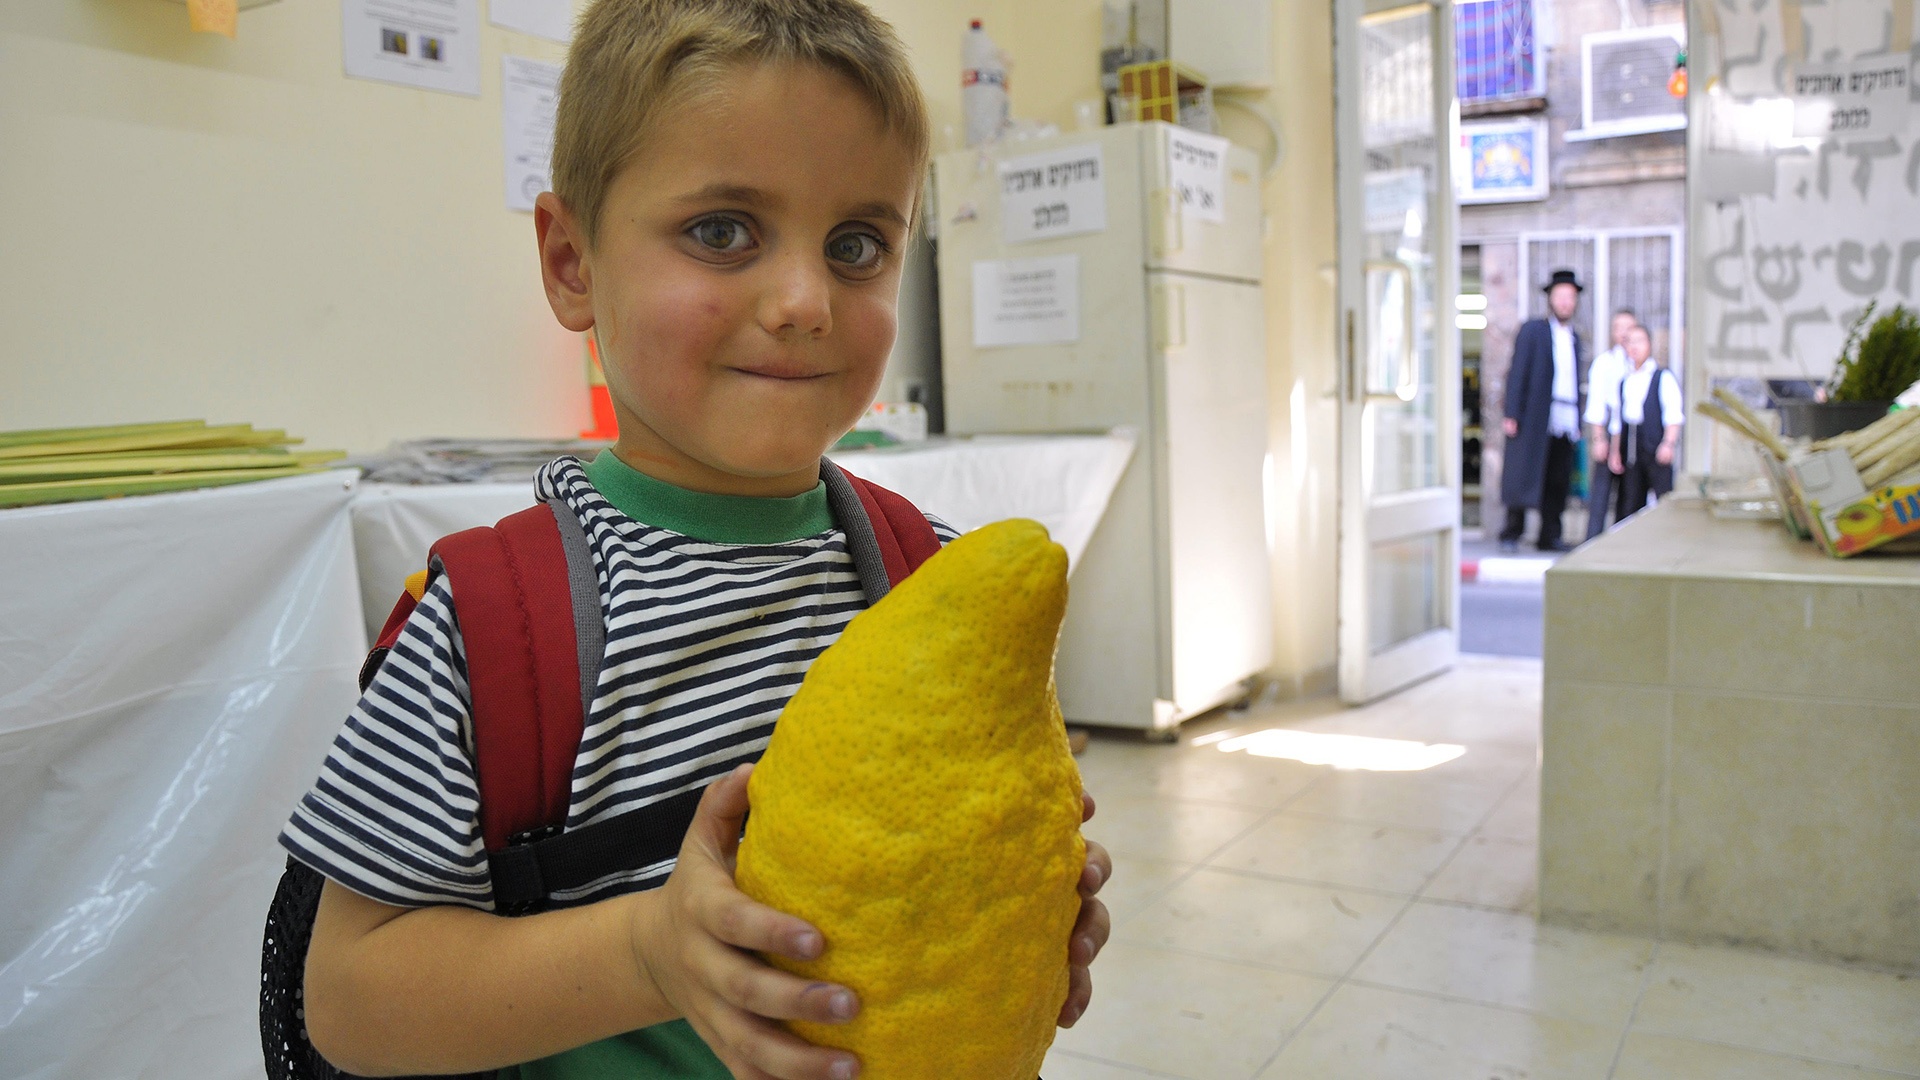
{"x": 1603, "y": 386}
{"x": 1564, "y": 420}
{"x": 1632, "y": 398}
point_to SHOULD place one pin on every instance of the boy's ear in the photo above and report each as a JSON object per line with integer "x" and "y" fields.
{"x": 563, "y": 262}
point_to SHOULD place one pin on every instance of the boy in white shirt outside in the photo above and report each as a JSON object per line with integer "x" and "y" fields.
{"x": 1603, "y": 387}
{"x": 1648, "y": 413}
{"x": 736, "y": 183}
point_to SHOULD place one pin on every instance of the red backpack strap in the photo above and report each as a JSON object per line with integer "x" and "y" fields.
{"x": 887, "y": 536}
{"x": 514, "y": 599}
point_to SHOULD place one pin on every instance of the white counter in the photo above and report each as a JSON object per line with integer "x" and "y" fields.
{"x": 1731, "y": 741}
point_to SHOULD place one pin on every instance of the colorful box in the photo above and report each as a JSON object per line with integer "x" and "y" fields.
{"x": 1848, "y": 518}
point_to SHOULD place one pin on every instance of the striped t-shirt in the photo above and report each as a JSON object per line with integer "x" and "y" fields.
{"x": 713, "y": 615}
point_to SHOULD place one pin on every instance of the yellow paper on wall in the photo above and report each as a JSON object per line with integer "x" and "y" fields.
{"x": 214, "y": 16}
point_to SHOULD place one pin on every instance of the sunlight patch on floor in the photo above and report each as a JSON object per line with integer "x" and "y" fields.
{"x": 1340, "y": 751}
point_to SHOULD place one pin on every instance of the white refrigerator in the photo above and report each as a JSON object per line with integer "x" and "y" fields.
{"x": 1112, "y": 278}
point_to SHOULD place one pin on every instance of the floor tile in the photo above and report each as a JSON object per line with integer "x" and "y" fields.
{"x": 1413, "y": 799}
{"x": 1472, "y": 706}
{"x": 1497, "y": 958}
{"x": 1382, "y": 857}
{"x": 1785, "y": 1006}
{"x": 1189, "y": 1016}
{"x": 1128, "y": 768}
{"x": 1064, "y": 1066}
{"x": 1309, "y": 928}
{"x": 1491, "y": 872}
{"x": 1517, "y": 817}
{"x": 1658, "y": 1057}
{"x": 1364, "y": 1033}
{"x": 1178, "y": 830}
{"x": 1136, "y": 882}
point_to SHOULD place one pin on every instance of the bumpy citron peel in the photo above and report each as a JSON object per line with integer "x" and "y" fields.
{"x": 919, "y": 804}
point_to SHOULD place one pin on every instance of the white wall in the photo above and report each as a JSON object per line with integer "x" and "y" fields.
{"x": 235, "y": 230}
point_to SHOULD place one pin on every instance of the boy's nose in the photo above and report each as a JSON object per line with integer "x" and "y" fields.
{"x": 799, "y": 298}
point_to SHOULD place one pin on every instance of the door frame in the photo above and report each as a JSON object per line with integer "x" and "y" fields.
{"x": 1365, "y": 521}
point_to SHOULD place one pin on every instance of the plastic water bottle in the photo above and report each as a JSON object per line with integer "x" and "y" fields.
{"x": 983, "y": 86}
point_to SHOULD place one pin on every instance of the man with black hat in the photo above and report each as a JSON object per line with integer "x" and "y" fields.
{"x": 1542, "y": 421}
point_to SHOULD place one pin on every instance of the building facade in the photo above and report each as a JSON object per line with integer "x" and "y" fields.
{"x": 1573, "y": 154}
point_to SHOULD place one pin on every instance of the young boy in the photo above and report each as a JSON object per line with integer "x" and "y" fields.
{"x": 735, "y": 181}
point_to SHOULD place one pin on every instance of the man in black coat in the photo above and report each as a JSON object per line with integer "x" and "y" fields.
{"x": 1542, "y": 423}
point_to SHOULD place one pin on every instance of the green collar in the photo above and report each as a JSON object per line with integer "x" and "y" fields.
{"x": 716, "y": 519}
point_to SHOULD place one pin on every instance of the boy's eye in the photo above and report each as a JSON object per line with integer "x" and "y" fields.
{"x": 856, "y": 250}
{"x": 721, "y": 234}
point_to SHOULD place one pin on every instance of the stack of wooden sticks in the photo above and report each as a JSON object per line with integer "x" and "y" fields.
{"x": 1882, "y": 452}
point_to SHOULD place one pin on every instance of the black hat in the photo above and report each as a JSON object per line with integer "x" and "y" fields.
{"x": 1564, "y": 277}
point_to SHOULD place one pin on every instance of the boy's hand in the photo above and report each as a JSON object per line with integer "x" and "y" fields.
{"x": 1090, "y": 930}
{"x": 697, "y": 945}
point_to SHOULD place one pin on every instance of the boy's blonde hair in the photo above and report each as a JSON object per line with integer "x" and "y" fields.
{"x": 633, "y": 59}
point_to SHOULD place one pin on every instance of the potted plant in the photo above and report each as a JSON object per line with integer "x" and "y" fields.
{"x": 1873, "y": 369}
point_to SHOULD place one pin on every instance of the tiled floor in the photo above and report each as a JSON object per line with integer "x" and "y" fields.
{"x": 1277, "y": 919}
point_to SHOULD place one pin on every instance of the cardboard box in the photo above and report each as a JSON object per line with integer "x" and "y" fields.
{"x": 1847, "y": 518}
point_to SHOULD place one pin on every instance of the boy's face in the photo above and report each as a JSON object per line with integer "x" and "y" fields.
{"x": 1622, "y": 324}
{"x": 744, "y": 282}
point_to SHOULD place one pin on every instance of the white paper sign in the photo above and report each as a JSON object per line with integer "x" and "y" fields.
{"x": 529, "y": 92}
{"x": 1197, "y": 170}
{"x": 1059, "y": 193}
{"x": 431, "y": 44}
{"x": 1851, "y": 99}
{"x": 550, "y": 19}
{"x": 1026, "y": 301}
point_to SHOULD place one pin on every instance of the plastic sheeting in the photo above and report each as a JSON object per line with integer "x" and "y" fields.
{"x": 172, "y": 670}
{"x": 395, "y": 524}
{"x": 1061, "y": 481}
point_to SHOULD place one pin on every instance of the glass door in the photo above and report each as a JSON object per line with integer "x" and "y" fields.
{"x": 1400, "y": 363}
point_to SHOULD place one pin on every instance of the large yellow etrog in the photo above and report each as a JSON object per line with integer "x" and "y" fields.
{"x": 919, "y": 805}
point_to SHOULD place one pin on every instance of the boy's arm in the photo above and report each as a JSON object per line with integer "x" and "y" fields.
{"x": 400, "y": 991}
{"x": 446, "y": 989}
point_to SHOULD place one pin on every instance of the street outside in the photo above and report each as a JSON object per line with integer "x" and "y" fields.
{"x": 1502, "y": 598}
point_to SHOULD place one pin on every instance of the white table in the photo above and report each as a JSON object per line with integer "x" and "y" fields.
{"x": 1061, "y": 481}
{"x": 172, "y": 670}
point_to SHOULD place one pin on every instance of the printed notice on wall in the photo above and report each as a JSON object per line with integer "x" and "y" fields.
{"x": 1851, "y": 99}
{"x": 550, "y": 19}
{"x": 1059, "y": 193}
{"x": 431, "y": 44}
{"x": 1197, "y": 172}
{"x": 1026, "y": 301}
{"x": 529, "y": 91}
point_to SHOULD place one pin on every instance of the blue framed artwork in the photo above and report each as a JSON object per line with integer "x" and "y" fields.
{"x": 1501, "y": 161}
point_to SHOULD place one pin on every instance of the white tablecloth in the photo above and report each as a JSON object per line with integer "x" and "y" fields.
{"x": 1061, "y": 481}
{"x": 172, "y": 670}
{"x": 395, "y": 524}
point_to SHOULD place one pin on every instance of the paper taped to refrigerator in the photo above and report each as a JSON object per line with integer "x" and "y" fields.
{"x": 1197, "y": 170}
{"x": 1026, "y": 301}
{"x": 1060, "y": 192}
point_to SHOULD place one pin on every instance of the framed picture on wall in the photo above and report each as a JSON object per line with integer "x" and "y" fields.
{"x": 1501, "y": 161}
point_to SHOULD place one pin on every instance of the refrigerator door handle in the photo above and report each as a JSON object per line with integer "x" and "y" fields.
{"x": 1169, "y": 316}
{"x": 1167, "y": 217}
